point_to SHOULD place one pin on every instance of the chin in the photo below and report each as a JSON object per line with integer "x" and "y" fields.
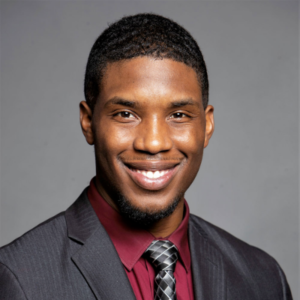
{"x": 145, "y": 218}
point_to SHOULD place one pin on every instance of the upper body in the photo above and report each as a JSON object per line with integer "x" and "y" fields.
{"x": 72, "y": 257}
{"x": 147, "y": 115}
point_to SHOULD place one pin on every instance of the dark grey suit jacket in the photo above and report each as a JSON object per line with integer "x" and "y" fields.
{"x": 71, "y": 256}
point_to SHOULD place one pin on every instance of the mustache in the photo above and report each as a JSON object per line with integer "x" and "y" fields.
{"x": 152, "y": 163}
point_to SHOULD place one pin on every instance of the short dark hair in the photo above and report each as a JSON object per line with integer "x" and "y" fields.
{"x": 142, "y": 35}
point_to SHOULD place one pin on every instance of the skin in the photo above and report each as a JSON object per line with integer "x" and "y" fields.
{"x": 148, "y": 117}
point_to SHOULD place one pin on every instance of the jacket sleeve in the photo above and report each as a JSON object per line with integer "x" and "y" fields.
{"x": 10, "y": 288}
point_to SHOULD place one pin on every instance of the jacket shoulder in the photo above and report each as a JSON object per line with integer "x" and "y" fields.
{"x": 244, "y": 263}
{"x": 227, "y": 243}
{"x": 39, "y": 264}
{"x": 41, "y": 239}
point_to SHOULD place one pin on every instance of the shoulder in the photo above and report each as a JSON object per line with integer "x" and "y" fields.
{"x": 50, "y": 237}
{"x": 243, "y": 263}
{"x": 39, "y": 264}
{"x": 30, "y": 259}
{"x": 40, "y": 240}
{"x": 232, "y": 248}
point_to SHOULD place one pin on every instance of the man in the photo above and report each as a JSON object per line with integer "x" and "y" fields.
{"x": 130, "y": 235}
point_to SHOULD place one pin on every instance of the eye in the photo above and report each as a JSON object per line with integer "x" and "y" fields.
{"x": 178, "y": 115}
{"x": 125, "y": 114}
{"x": 124, "y": 117}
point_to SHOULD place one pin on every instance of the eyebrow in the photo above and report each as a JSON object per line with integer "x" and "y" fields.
{"x": 121, "y": 101}
{"x": 130, "y": 103}
{"x": 184, "y": 102}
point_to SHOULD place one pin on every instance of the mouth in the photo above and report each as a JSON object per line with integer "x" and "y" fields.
{"x": 152, "y": 175}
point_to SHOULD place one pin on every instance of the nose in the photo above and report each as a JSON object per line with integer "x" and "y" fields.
{"x": 153, "y": 136}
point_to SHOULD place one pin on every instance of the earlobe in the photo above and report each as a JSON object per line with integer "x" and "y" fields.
{"x": 86, "y": 122}
{"x": 210, "y": 124}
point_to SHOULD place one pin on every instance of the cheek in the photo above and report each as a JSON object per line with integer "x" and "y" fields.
{"x": 111, "y": 140}
{"x": 190, "y": 140}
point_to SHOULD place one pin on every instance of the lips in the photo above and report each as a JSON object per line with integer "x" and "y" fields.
{"x": 152, "y": 175}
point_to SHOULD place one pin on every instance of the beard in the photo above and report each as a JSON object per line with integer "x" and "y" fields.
{"x": 134, "y": 216}
{"x": 143, "y": 219}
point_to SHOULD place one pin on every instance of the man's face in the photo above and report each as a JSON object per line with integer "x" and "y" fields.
{"x": 149, "y": 129}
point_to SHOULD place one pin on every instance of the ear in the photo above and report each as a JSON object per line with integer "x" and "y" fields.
{"x": 210, "y": 124}
{"x": 86, "y": 122}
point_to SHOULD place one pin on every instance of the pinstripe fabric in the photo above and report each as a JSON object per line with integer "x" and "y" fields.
{"x": 13, "y": 287}
{"x": 236, "y": 270}
{"x": 71, "y": 256}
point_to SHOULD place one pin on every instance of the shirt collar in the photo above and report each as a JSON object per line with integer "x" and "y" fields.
{"x": 130, "y": 242}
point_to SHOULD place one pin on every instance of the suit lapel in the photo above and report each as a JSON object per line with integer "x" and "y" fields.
{"x": 101, "y": 267}
{"x": 97, "y": 258}
{"x": 207, "y": 267}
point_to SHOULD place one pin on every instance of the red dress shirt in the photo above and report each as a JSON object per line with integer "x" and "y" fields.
{"x": 131, "y": 243}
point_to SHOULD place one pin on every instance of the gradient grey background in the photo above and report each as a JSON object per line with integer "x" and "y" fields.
{"x": 248, "y": 182}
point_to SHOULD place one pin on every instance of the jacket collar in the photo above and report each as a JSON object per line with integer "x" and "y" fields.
{"x": 97, "y": 258}
{"x": 131, "y": 242}
{"x": 101, "y": 267}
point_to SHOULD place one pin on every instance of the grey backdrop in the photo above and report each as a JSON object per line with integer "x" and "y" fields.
{"x": 248, "y": 182}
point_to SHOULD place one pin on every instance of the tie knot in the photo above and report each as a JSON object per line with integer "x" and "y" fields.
{"x": 163, "y": 255}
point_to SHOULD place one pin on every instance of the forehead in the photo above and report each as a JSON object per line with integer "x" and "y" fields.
{"x": 145, "y": 77}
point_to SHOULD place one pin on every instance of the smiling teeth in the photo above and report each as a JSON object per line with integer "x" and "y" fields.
{"x": 151, "y": 175}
